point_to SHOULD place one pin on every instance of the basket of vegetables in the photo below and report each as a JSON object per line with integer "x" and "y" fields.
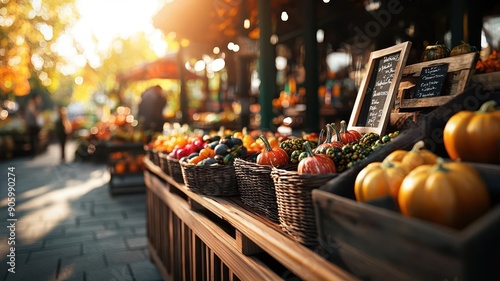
{"x": 293, "y": 194}
{"x": 211, "y": 171}
{"x": 255, "y": 183}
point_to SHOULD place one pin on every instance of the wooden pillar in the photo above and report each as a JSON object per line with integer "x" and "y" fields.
{"x": 312, "y": 118}
{"x": 242, "y": 72}
{"x": 474, "y": 22}
{"x": 183, "y": 94}
{"x": 244, "y": 89}
{"x": 267, "y": 68}
{"x": 466, "y": 22}
{"x": 457, "y": 11}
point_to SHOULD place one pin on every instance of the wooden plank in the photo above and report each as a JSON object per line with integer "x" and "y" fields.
{"x": 456, "y": 63}
{"x": 300, "y": 260}
{"x": 216, "y": 239}
{"x": 196, "y": 260}
{"x": 425, "y": 102}
{"x": 157, "y": 261}
{"x": 185, "y": 246}
{"x": 247, "y": 246}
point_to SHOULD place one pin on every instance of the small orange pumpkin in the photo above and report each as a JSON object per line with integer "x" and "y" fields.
{"x": 271, "y": 156}
{"x": 379, "y": 179}
{"x": 417, "y": 156}
{"x": 315, "y": 163}
{"x": 451, "y": 194}
{"x": 348, "y": 136}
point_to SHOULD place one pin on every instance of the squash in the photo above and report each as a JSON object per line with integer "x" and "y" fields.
{"x": 434, "y": 52}
{"x": 379, "y": 179}
{"x": 328, "y": 143}
{"x": 271, "y": 156}
{"x": 417, "y": 156}
{"x": 474, "y": 136}
{"x": 451, "y": 194}
{"x": 462, "y": 48}
{"x": 315, "y": 163}
{"x": 348, "y": 136}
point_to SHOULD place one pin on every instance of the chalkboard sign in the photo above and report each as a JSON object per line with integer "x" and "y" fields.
{"x": 431, "y": 81}
{"x": 378, "y": 89}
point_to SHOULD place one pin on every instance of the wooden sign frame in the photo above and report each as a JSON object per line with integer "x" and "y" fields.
{"x": 366, "y": 89}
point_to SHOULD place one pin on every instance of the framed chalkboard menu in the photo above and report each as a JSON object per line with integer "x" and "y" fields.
{"x": 378, "y": 89}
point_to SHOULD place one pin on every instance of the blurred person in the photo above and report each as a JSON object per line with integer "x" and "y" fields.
{"x": 150, "y": 111}
{"x": 31, "y": 120}
{"x": 62, "y": 129}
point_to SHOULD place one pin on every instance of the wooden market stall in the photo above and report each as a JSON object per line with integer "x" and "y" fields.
{"x": 196, "y": 237}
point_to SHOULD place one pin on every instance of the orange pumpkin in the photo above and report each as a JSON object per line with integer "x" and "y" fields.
{"x": 315, "y": 163}
{"x": 451, "y": 194}
{"x": 271, "y": 156}
{"x": 417, "y": 156}
{"x": 348, "y": 136}
{"x": 379, "y": 179}
{"x": 474, "y": 135}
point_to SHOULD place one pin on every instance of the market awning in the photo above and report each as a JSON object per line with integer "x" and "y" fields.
{"x": 166, "y": 67}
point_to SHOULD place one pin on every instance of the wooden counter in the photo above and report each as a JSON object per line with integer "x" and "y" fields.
{"x": 195, "y": 237}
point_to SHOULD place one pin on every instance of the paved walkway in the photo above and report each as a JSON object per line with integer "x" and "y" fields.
{"x": 68, "y": 226}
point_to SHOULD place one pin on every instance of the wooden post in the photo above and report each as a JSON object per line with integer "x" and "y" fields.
{"x": 311, "y": 61}
{"x": 183, "y": 94}
{"x": 267, "y": 68}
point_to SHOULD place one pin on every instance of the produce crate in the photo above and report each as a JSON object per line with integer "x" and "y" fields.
{"x": 381, "y": 244}
{"x": 375, "y": 242}
{"x": 126, "y": 167}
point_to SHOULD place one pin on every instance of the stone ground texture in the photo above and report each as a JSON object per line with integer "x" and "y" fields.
{"x": 68, "y": 225}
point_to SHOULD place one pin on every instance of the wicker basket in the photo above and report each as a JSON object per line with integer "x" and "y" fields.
{"x": 150, "y": 153}
{"x": 174, "y": 168}
{"x": 295, "y": 206}
{"x": 164, "y": 162}
{"x": 216, "y": 180}
{"x": 256, "y": 188}
{"x": 156, "y": 157}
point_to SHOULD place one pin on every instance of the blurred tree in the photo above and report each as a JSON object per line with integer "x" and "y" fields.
{"x": 28, "y": 31}
{"x": 123, "y": 55}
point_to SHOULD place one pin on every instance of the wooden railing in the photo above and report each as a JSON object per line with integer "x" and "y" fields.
{"x": 196, "y": 237}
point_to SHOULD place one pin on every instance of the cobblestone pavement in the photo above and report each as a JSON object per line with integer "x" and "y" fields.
{"x": 68, "y": 226}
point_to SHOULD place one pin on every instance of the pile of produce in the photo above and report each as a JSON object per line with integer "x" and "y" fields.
{"x": 491, "y": 64}
{"x": 426, "y": 187}
{"x": 340, "y": 149}
{"x": 449, "y": 192}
